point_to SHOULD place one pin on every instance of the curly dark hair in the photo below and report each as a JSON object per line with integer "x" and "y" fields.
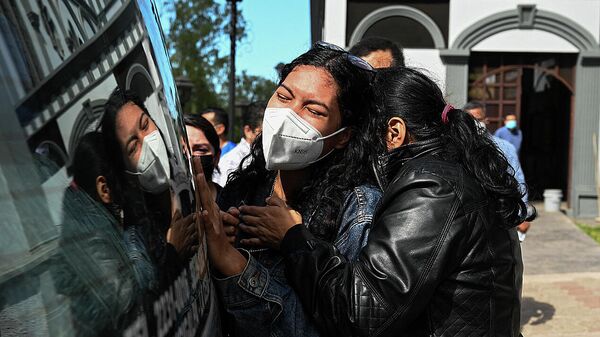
{"x": 332, "y": 177}
{"x": 411, "y": 95}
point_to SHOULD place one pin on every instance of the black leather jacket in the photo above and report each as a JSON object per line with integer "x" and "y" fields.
{"x": 437, "y": 262}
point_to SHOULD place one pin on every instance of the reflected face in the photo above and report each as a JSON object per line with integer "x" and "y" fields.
{"x": 379, "y": 58}
{"x": 199, "y": 144}
{"x": 132, "y": 125}
{"x": 312, "y": 93}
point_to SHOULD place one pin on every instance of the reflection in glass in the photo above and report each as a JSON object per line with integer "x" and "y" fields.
{"x": 510, "y": 93}
{"x": 511, "y": 76}
{"x": 85, "y": 249}
{"x": 492, "y": 79}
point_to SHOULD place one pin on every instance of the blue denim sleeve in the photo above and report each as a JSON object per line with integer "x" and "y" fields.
{"x": 254, "y": 297}
{"x": 355, "y": 222}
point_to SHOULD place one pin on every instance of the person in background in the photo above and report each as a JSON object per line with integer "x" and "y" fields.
{"x": 204, "y": 143}
{"x": 252, "y": 120}
{"x": 511, "y": 132}
{"x": 220, "y": 121}
{"x": 477, "y": 110}
{"x": 379, "y": 52}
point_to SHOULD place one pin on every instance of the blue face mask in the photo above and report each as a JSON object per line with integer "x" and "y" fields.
{"x": 511, "y": 124}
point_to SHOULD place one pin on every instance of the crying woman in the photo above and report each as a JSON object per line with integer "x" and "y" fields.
{"x": 152, "y": 219}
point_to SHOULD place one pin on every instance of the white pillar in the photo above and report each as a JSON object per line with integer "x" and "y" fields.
{"x": 334, "y": 25}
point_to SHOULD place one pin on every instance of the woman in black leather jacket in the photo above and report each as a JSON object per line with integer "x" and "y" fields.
{"x": 442, "y": 258}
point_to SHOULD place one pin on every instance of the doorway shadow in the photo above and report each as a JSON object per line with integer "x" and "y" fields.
{"x": 534, "y": 312}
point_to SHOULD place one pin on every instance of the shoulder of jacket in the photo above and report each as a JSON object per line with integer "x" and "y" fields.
{"x": 431, "y": 168}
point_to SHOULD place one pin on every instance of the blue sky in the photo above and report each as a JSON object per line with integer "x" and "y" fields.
{"x": 277, "y": 31}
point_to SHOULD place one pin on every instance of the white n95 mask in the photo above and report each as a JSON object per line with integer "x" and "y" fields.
{"x": 153, "y": 166}
{"x": 289, "y": 142}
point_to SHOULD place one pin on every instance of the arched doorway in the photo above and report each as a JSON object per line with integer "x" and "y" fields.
{"x": 392, "y": 21}
{"x": 538, "y": 89}
{"x": 582, "y": 187}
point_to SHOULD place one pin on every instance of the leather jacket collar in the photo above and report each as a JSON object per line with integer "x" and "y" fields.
{"x": 388, "y": 164}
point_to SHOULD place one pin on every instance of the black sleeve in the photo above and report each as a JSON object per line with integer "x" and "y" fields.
{"x": 411, "y": 244}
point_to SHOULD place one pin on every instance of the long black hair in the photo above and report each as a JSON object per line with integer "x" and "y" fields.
{"x": 332, "y": 177}
{"x": 91, "y": 160}
{"x": 411, "y": 95}
{"x": 150, "y": 212}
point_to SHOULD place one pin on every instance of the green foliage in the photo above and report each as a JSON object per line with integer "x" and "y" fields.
{"x": 197, "y": 30}
{"x": 250, "y": 88}
{"x": 593, "y": 232}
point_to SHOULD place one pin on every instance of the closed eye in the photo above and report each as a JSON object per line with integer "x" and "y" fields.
{"x": 283, "y": 98}
{"x": 131, "y": 147}
{"x": 315, "y": 112}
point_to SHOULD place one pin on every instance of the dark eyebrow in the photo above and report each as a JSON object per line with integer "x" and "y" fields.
{"x": 288, "y": 89}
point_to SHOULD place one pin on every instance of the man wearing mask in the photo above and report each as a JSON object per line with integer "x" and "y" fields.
{"x": 510, "y": 132}
{"x": 252, "y": 121}
{"x": 220, "y": 121}
{"x": 378, "y": 52}
{"x": 477, "y": 111}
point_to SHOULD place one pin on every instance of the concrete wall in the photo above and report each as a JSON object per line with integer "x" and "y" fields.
{"x": 334, "y": 25}
{"x": 531, "y": 40}
{"x": 429, "y": 60}
{"x": 464, "y": 13}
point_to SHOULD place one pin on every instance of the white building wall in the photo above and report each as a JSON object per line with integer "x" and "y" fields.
{"x": 464, "y": 13}
{"x": 429, "y": 61}
{"x": 526, "y": 40}
{"x": 334, "y": 25}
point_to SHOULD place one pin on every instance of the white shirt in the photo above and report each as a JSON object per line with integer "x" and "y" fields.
{"x": 232, "y": 159}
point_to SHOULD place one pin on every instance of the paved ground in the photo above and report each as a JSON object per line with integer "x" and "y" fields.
{"x": 561, "y": 290}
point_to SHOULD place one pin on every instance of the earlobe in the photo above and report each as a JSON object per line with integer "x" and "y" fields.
{"x": 220, "y": 128}
{"x": 103, "y": 190}
{"x": 396, "y": 135}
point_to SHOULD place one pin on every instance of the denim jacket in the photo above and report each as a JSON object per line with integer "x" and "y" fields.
{"x": 260, "y": 299}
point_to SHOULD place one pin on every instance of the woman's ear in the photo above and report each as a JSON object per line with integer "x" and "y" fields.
{"x": 396, "y": 133}
{"x": 343, "y": 138}
{"x": 220, "y": 129}
{"x": 103, "y": 190}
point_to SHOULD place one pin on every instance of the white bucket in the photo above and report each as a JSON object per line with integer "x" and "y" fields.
{"x": 552, "y": 200}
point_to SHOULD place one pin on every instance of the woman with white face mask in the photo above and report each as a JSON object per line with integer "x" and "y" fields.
{"x": 313, "y": 155}
{"x": 142, "y": 163}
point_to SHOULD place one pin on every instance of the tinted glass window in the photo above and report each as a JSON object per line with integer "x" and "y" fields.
{"x": 94, "y": 181}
